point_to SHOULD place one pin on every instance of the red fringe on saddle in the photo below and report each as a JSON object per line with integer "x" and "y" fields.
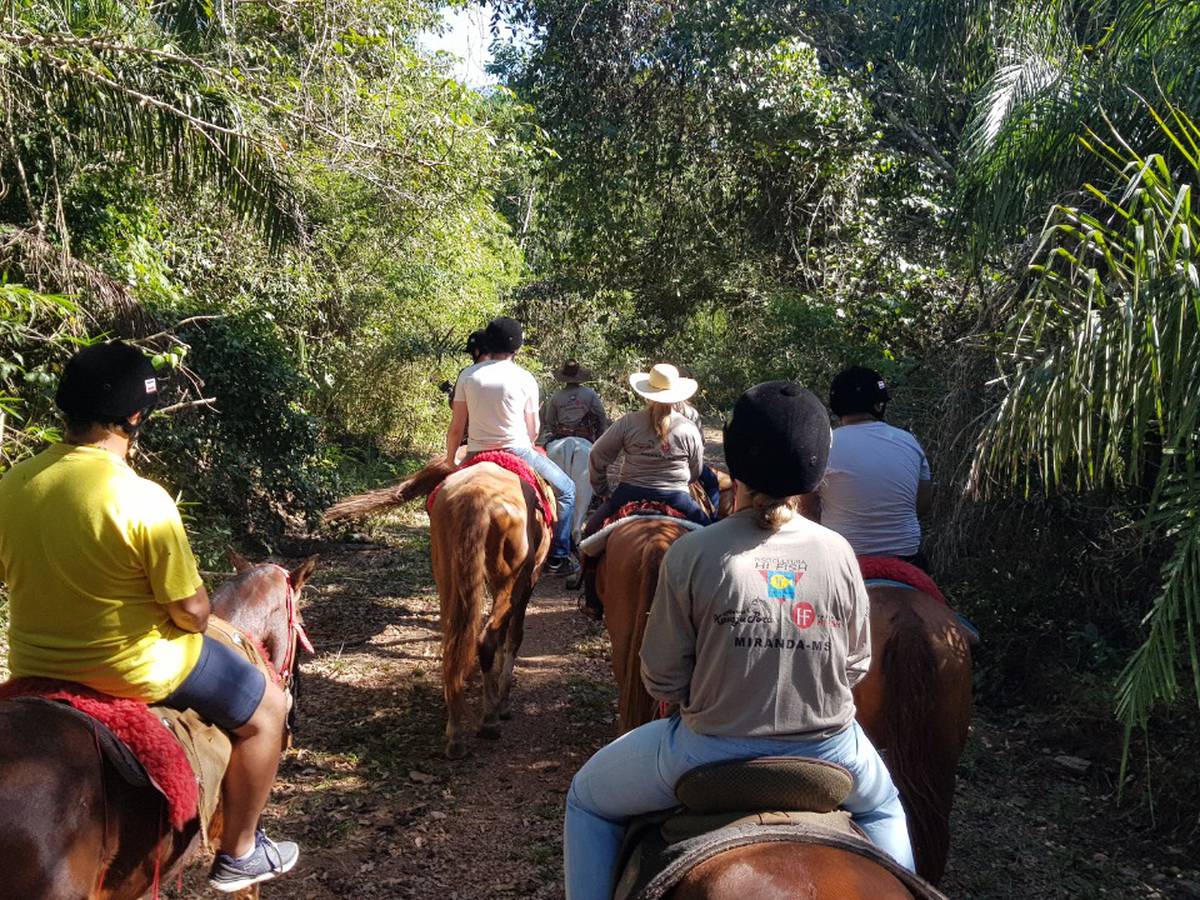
{"x": 514, "y": 464}
{"x": 133, "y": 723}
{"x": 644, "y": 508}
{"x": 898, "y": 570}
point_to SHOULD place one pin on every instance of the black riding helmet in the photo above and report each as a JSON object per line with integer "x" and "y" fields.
{"x": 475, "y": 343}
{"x": 857, "y": 390}
{"x": 107, "y": 383}
{"x": 503, "y": 335}
{"x": 777, "y": 441}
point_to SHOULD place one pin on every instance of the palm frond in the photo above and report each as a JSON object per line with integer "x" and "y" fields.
{"x": 88, "y": 93}
{"x": 1103, "y": 373}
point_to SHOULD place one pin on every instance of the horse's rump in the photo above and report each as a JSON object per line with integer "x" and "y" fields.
{"x": 656, "y": 866}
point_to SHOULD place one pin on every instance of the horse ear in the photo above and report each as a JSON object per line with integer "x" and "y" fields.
{"x": 240, "y": 563}
{"x": 299, "y": 575}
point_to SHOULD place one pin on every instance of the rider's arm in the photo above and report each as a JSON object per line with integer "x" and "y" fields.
{"x": 602, "y": 455}
{"x": 458, "y": 427}
{"x": 191, "y": 613}
{"x": 924, "y": 496}
{"x": 858, "y": 625}
{"x": 669, "y": 645}
{"x": 532, "y": 424}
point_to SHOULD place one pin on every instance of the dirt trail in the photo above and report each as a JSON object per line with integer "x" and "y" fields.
{"x": 380, "y": 813}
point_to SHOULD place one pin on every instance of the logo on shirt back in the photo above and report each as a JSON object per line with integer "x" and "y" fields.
{"x": 781, "y": 583}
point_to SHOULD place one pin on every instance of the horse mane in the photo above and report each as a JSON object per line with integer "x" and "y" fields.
{"x": 917, "y": 760}
{"x": 380, "y": 500}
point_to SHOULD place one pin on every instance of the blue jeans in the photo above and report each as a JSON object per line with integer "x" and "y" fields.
{"x": 712, "y": 487}
{"x": 637, "y": 773}
{"x": 564, "y": 491}
{"x": 627, "y": 493}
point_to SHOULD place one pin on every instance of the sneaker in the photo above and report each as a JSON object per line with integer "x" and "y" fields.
{"x": 562, "y": 565}
{"x": 268, "y": 860}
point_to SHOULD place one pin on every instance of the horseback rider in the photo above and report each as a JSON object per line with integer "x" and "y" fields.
{"x": 574, "y": 410}
{"x": 878, "y": 481}
{"x": 104, "y": 591}
{"x": 496, "y": 406}
{"x": 663, "y": 451}
{"x": 474, "y": 349}
{"x": 759, "y": 629}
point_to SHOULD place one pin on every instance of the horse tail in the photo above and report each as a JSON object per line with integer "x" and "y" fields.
{"x": 919, "y": 758}
{"x": 382, "y": 499}
{"x": 465, "y": 582}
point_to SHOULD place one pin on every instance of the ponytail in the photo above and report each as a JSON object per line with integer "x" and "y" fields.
{"x": 660, "y": 418}
{"x": 772, "y": 513}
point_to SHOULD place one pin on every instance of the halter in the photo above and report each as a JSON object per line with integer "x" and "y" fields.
{"x": 296, "y": 633}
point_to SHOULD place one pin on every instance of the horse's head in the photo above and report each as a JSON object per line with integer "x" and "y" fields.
{"x": 262, "y": 600}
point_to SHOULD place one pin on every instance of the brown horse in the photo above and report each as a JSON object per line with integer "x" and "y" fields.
{"x": 784, "y": 871}
{"x": 485, "y": 537}
{"x": 70, "y": 827}
{"x": 914, "y": 704}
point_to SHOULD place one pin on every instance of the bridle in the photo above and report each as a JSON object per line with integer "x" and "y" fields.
{"x": 296, "y": 633}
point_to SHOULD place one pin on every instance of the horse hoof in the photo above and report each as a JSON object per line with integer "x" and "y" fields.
{"x": 490, "y": 732}
{"x": 456, "y": 750}
{"x": 506, "y": 714}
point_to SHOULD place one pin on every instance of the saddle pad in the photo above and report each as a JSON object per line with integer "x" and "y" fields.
{"x": 596, "y": 543}
{"x": 894, "y": 569}
{"x": 133, "y": 723}
{"x": 518, "y": 467}
{"x": 654, "y": 868}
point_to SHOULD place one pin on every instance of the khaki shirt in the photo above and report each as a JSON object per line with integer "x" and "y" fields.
{"x": 573, "y": 411}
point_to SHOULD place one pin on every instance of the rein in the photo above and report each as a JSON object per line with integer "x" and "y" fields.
{"x": 296, "y": 633}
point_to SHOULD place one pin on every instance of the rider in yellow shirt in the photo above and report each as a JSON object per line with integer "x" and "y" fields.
{"x": 104, "y": 591}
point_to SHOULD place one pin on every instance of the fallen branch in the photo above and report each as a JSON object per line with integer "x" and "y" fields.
{"x": 187, "y": 404}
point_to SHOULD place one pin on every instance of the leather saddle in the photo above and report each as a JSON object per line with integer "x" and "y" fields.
{"x": 734, "y": 804}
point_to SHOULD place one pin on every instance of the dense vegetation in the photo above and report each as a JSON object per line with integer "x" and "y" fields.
{"x": 301, "y": 215}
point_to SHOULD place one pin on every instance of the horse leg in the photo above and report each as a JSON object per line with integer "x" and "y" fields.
{"x": 492, "y": 660}
{"x": 512, "y": 644}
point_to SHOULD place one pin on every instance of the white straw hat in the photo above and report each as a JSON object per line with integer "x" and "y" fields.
{"x": 663, "y": 384}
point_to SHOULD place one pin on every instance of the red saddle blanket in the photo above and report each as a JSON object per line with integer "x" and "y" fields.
{"x": 135, "y": 726}
{"x": 644, "y": 508}
{"x": 518, "y": 467}
{"x": 898, "y": 570}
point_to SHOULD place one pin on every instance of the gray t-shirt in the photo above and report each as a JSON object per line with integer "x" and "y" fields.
{"x": 759, "y": 633}
{"x": 667, "y": 465}
{"x": 574, "y": 410}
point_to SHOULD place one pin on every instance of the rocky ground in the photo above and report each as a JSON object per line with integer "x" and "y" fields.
{"x": 381, "y": 813}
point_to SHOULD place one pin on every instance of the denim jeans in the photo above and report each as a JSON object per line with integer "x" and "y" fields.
{"x": 564, "y": 491}
{"x": 637, "y": 773}
{"x": 627, "y": 493}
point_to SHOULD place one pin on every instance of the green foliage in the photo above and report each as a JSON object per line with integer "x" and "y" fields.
{"x": 256, "y": 457}
{"x": 1105, "y": 371}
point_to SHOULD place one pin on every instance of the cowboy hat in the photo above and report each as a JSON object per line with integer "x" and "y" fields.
{"x": 573, "y": 373}
{"x": 663, "y": 384}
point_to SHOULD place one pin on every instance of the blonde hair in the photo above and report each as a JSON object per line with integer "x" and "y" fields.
{"x": 772, "y": 513}
{"x": 660, "y": 417}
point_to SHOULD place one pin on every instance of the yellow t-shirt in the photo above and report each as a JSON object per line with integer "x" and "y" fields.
{"x": 91, "y": 552}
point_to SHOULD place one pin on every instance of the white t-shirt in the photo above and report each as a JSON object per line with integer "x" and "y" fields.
{"x": 498, "y": 393}
{"x": 869, "y": 495}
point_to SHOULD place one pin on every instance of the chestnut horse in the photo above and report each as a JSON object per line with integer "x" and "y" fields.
{"x": 70, "y": 827}
{"x": 485, "y": 537}
{"x": 914, "y": 704}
